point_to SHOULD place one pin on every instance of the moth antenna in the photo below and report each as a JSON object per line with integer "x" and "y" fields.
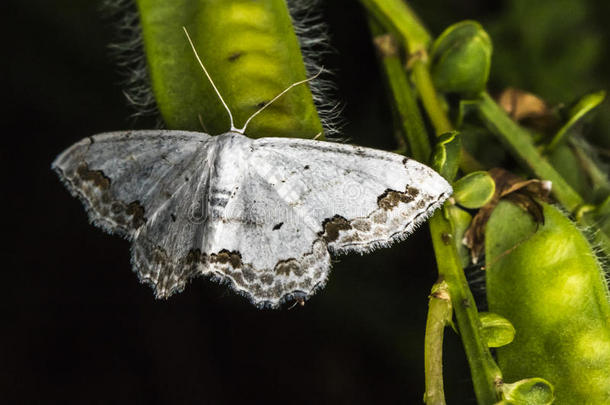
{"x": 211, "y": 81}
{"x": 243, "y": 130}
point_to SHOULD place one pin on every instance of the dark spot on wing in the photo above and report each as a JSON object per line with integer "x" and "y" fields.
{"x": 221, "y": 192}
{"x": 332, "y": 226}
{"x": 173, "y": 216}
{"x": 227, "y": 257}
{"x": 136, "y": 210}
{"x": 277, "y": 226}
{"x": 285, "y": 267}
{"x": 360, "y": 151}
{"x": 412, "y": 192}
{"x": 306, "y": 167}
{"x": 116, "y": 207}
{"x": 97, "y": 177}
{"x": 234, "y": 56}
{"x": 218, "y": 201}
{"x": 261, "y": 104}
{"x": 391, "y": 198}
{"x": 193, "y": 257}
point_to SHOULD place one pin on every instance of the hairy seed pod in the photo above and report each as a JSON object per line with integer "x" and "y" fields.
{"x": 252, "y": 50}
{"x": 547, "y": 282}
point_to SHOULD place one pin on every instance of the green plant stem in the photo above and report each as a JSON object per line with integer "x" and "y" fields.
{"x": 435, "y": 110}
{"x": 439, "y": 315}
{"x": 484, "y": 370}
{"x": 398, "y": 18}
{"x": 521, "y": 145}
{"x": 428, "y": 95}
{"x": 485, "y": 373}
{"x": 404, "y": 100}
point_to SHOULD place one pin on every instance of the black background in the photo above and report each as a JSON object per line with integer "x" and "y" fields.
{"x": 79, "y": 327}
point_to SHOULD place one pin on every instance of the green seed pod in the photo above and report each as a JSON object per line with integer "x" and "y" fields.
{"x": 474, "y": 190}
{"x": 461, "y": 59}
{"x": 546, "y": 281}
{"x": 531, "y": 391}
{"x": 496, "y": 329}
{"x": 251, "y": 52}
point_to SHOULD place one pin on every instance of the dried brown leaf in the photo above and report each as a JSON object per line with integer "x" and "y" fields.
{"x": 514, "y": 188}
{"x": 528, "y": 109}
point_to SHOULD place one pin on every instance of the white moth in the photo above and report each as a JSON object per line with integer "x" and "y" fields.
{"x": 262, "y": 214}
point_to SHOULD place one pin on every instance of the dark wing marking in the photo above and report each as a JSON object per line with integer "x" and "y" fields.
{"x": 124, "y": 177}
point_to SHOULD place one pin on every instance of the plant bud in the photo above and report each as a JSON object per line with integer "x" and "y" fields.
{"x": 461, "y": 59}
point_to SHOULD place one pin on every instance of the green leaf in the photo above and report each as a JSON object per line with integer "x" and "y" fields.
{"x": 461, "y": 59}
{"x": 496, "y": 330}
{"x": 474, "y": 190}
{"x": 576, "y": 114}
{"x": 446, "y": 157}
